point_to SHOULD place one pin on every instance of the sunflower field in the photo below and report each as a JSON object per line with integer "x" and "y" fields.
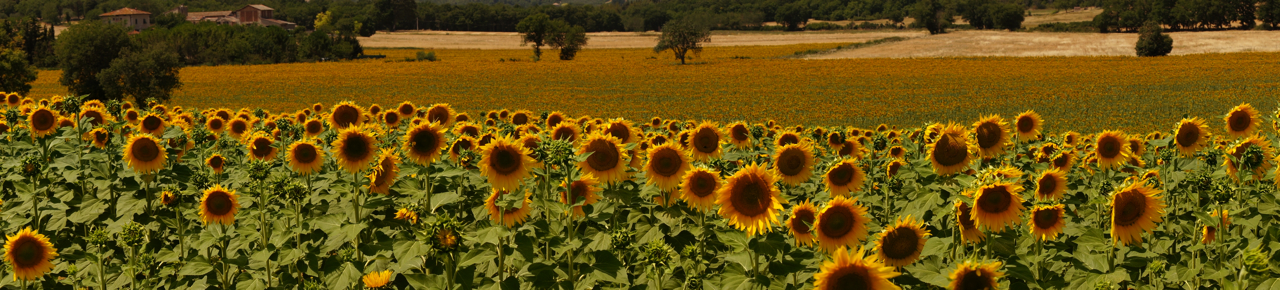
{"x": 118, "y": 195}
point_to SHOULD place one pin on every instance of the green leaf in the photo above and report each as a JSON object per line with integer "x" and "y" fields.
{"x": 195, "y": 268}
{"x": 443, "y": 199}
{"x": 477, "y": 255}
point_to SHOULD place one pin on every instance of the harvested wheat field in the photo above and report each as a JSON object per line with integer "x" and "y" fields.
{"x": 511, "y": 40}
{"x": 999, "y": 43}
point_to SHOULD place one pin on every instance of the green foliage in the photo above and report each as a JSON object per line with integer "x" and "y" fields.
{"x": 35, "y": 40}
{"x": 1082, "y": 26}
{"x": 151, "y": 73}
{"x": 1269, "y": 13}
{"x": 85, "y": 49}
{"x": 1153, "y": 42}
{"x": 427, "y": 56}
{"x": 989, "y": 14}
{"x": 534, "y": 30}
{"x": 569, "y": 40}
{"x": 682, "y": 36}
{"x": 823, "y": 26}
{"x": 793, "y": 15}
{"x": 208, "y": 43}
{"x": 933, "y": 15}
{"x": 15, "y": 74}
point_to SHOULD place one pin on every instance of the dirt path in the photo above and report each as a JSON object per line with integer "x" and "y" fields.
{"x": 996, "y": 43}
{"x": 510, "y": 40}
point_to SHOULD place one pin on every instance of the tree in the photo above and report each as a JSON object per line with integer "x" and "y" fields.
{"x": 681, "y": 36}
{"x": 1152, "y": 41}
{"x": 1007, "y": 16}
{"x": 85, "y": 49}
{"x": 16, "y": 74}
{"x": 569, "y": 40}
{"x": 534, "y": 29}
{"x": 151, "y": 73}
{"x": 792, "y": 15}
{"x": 1269, "y": 14}
{"x": 932, "y": 15}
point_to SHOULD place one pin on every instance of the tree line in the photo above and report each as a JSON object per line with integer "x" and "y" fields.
{"x": 1130, "y": 15}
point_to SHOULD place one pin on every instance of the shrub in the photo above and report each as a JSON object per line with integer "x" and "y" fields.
{"x": 427, "y": 56}
{"x": 1153, "y": 42}
{"x": 823, "y": 26}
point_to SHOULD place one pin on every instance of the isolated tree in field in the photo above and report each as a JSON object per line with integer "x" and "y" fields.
{"x": 568, "y": 39}
{"x": 534, "y": 30}
{"x": 682, "y": 36}
{"x": 16, "y": 74}
{"x": 85, "y": 49}
{"x": 792, "y": 15}
{"x": 146, "y": 74}
{"x": 1152, "y": 41}
{"x": 932, "y": 15}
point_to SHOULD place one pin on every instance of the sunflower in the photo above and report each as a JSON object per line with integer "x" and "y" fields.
{"x": 1028, "y": 124}
{"x": 998, "y": 206}
{"x": 565, "y": 131}
{"x": 841, "y": 223}
{"x": 800, "y": 223}
{"x": 384, "y": 173}
{"x": 1192, "y": 134}
{"x": 521, "y": 117}
{"x": 1063, "y": 160}
{"x": 144, "y": 153}
{"x": 511, "y": 216}
{"x": 132, "y": 116}
{"x": 950, "y": 153}
{"x": 1112, "y": 149}
{"x": 844, "y": 177}
{"x": 554, "y": 119}
{"x": 1242, "y": 121}
{"x": 582, "y": 190}
{"x": 991, "y": 134}
{"x": 976, "y": 276}
{"x": 969, "y": 232}
{"x": 423, "y": 143}
{"x": 606, "y": 160}
{"x": 901, "y": 244}
{"x": 13, "y": 100}
{"x": 699, "y": 187}
{"x": 666, "y": 165}
{"x": 313, "y": 128}
{"x": 219, "y": 205}
{"x": 377, "y": 279}
{"x": 29, "y": 253}
{"x": 391, "y": 119}
{"x": 42, "y": 121}
{"x": 466, "y": 128}
{"x": 463, "y": 143}
{"x": 1223, "y": 215}
{"x": 1071, "y": 138}
{"x": 238, "y": 127}
{"x": 216, "y": 162}
{"x": 891, "y": 169}
{"x": 1046, "y": 222}
{"x": 441, "y": 113}
{"x": 739, "y": 135}
{"x": 100, "y": 136}
{"x": 215, "y": 124}
{"x": 853, "y": 270}
{"x": 705, "y": 142}
{"x": 1236, "y": 154}
{"x": 407, "y": 215}
{"x": 850, "y": 148}
{"x": 786, "y": 138}
{"x": 167, "y": 198}
{"x": 96, "y": 115}
{"x": 305, "y": 158}
{"x": 896, "y": 152}
{"x": 1134, "y": 209}
{"x": 1051, "y": 184}
{"x": 531, "y": 143}
{"x": 259, "y": 146}
{"x": 505, "y": 163}
{"x": 151, "y": 123}
{"x": 794, "y": 163}
{"x": 750, "y": 201}
{"x": 345, "y": 114}
{"x": 621, "y": 129}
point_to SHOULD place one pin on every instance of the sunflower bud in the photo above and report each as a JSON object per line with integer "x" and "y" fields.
{"x": 657, "y": 253}
{"x": 133, "y": 235}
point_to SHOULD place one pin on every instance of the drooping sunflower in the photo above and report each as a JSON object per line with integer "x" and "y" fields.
{"x": 1046, "y": 222}
{"x": 423, "y": 143}
{"x": 854, "y": 270}
{"x": 441, "y": 113}
{"x": 377, "y": 279}
{"x": 1235, "y": 158}
{"x": 607, "y": 161}
{"x": 407, "y": 215}
{"x": 622, "y": 129}
{"x": 144, "y": 153}
{"x": 850, "y": 148}
{"x": 1051, "y": 184}
{"x": 1209, "y": 234}
{"x": 969, "y": 232}
{"x": 354, "y": 149}
{"x": 950, "y": 153}
{"x": 583, "y": 190}
{"x": 565, "y": 131}
{"x": 505, "y": 163}
{"x": 216, "y": 162}
{"x": 132, "y": 116}
{"x": 406, "y": 109}
{"x": 466, "y": 128}
{"x": 460, "y": 145}
{"x": 999, "y": 206}
{"x": 891, "y": 169}
{"x": 750, "y": 201}
{"x": 305, "y": 157}
{"x": 521, "y": 117}
{"x": 1223, "y": 216}
{"x": 30, "y": 254}
{"x": 667, "y": 164}
{"x": 976, "y": 276}
{"x": 699, "y": 186}
{"x": 902, "y": 243}
{"x": 42, "y": 121}
{"x": 793, "y": 163}
{"x": 96, "y": 115}
{"x": 1112, "y": 149}
{"x": 1134, "y": 209}
{"x": 1241, "y": 121}
{"x": 1192, "y": 135}
{"x": 168, "y": 198}
{"x": 219, "y": 205}
{"x": 844, "y": 177}
{"x": 991, "y": 134}
{"x": 803, "y": 216}
{"x": 1063, "y": 160}
{"x": 99, "y": 136}
{"x": 705, "y": 141}
{"x": 384, "y": 173}
{"x": 1071, "y": 138}
{"x": 739, "y": 135}
{"x": 841, "y": 223}
{"x": 259, "y": 146}
{"x": 554, "y": 119}
{"x": 786, "y": 138}
{"x": 896, "y": 152}
{"x": 510, "y": 216}
{"x": 1028, "y": 124}
{"x": 345, "y": 114}
{"x": 531, "y": 143}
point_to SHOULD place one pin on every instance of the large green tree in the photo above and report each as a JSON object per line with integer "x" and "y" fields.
{"x": 150, "y": 73}
{"x": 683, "y": 36}
{"x": 534, "y": 31}
{"x": 88, "y": 48}
{"x": 16, "y": 74}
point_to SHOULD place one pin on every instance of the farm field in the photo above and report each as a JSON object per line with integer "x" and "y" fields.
{"x": 1002, "y": 43}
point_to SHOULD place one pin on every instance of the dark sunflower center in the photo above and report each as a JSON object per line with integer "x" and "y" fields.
{"x": 98, "y": 136}
{"x": 972, "y": 280}
{"x": 472, "y": 131}
{"x": 666, "y": 162}
{"x": 1210, "y": 231}
{"x": 485, "y": 140}
{"x": 131, "y": 115}
{"x": 901, "y": 243}
{"x": 425, "y": 142}
{"x": 27, "y": 252}
{"x": 1061, "y": 161}
{"x": 739, "y": 132}
{"x": 1046, "y": 185}
{"x": 531, "y": 144}
{"x": 995, "y": 199}
{"x": 853, "y": 279}
{"x": 505, "y": 159}
{"x": 304, "y": 153}
{"x": 1049, "y": 150}
{"x": 846, "y": 149}
{"x": 706, "y": 140}
{"x": 223, "y": 114}
{"x": 1239, "y": 121}
{"x": 145, "y": 150}
{"x": 896, "y": 151}
{"x": 702, "y": 184}
{"x": 788, "y": 139}
{"x": 384, "y": 176}
{"x": 4, "y": 127}
{"x": 13, "y": 99}
{"x": 43, "y": 120}
{"x": 1136, "y": 146}
{"x": 579, "y": 192}
{"x": 673, "y": 127}
{"x": 658, "y": 140}
{"x": 1129, "y": 207}
{"x": 842, "y": 175}
{"x": 151, "y": 123}
{"x": 438, "y": 114}
{"x": 405, "y": 109}
{"x": 751, "y": 197}
{"x": 356, "y": 147}
{"x": 604, "y": 156}
{"x": 218, "y": 203}
{"x": 239, "y": 126}
{"x": 836, "y": 221}
{"x": 520, "y": 119}
{"x": 564, "y": 133}
{"x": 1045, "y": 219}
{"x": 391, "y": 118}
{"x": 1109, "y": 147}
{"x": 261, "y": 147}
{"x": 949, "y": 150}
{"x": 215, "y": 124}
{"x": 966, "y": 220}
{"x": 791, "y": 161}
{"x": 460, "y": 145}
{"x": 95, "y": 117}
{"x": 894, "y": 167}
{"x": 1026, "y": 124}
{"x": 801, "y": 221}
{"x": 314, "y": 127}
{"x": 375, "y": 109}
{"x": 345, "y": 116}
{"x": 1188, "y": 135}
{"x": 216, "y": 162}
{"x": 554, "y": 120}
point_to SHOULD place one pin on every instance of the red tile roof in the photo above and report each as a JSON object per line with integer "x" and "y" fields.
{"x": 126, "y": 11}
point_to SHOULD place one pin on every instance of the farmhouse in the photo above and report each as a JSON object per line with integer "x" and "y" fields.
{"x": 253, "y": 14}
{"x": 129, "y": 17}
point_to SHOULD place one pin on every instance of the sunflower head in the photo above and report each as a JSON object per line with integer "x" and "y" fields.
{"x": 854, "y": 270}
{"x": 423, "y": 143}
{"x": 345, "y": 114}
{"x": 1112, "y": 149}
{"x": 407, "y": 215}
{"x": 461, "y": 145}
{"x": 667, "y": 164}
{"x": 750, "y": 201}
{"x": 794, "y": 163}
{"x": 1135, "y": 208}
{"x": 505, "y": 163}
{"x": 384, "y": 172}
{"x": 508, "y": 216}
{"x": 219, "y": 205}
{"x": 1250, "y": 154}
{"x": 999, "y": 206}
{"x": 565, "y": 131}
{"x": 441, "y": 113}
{"x": 991, "y": 134}
{"x": 739, "y": 135}
{"x": 844, "y": 177}
{"x": 705, "y": 141}
{"x": 354, "y": 149}
{"x": 607, "y": 160}
{"x": 1192, "y": 135}
{"x": 902, "y": 243}
{"x": 891, "y": 169}
{"x": 1241, "y": 121}
{"x": 305, "y": 157}
{"x": 976, "y": 276}
{"x": 786, "y": 138}
{"x": 96, "y": 115}
{"x": 841, "y": 223}
{"x": 969, "y": 232}
{"x": 216, "y": 162}
{"x": 29, "y": 253}
{"x": 42, "y": 121}
{"x": 1028, "y": 125}
{"x": 803, "y": 216}
{"x": 260, "y": 146}
{"x": 144, "y": 153}
{"x": 699, "y": 186}
{"x": 152, "y": 123}
{"x": 377, "y": 279}
{"x": 950, "y": 152}
{"x": 1051, "y": 184}
{"x": 238, "y": 127}
{"x": 100, "y": 137}
{"x": 1046, "y": 222}
{"x": 582, "y": 190}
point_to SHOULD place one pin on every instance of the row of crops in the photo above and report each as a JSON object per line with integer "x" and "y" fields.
{"x": 118, "y": 195}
